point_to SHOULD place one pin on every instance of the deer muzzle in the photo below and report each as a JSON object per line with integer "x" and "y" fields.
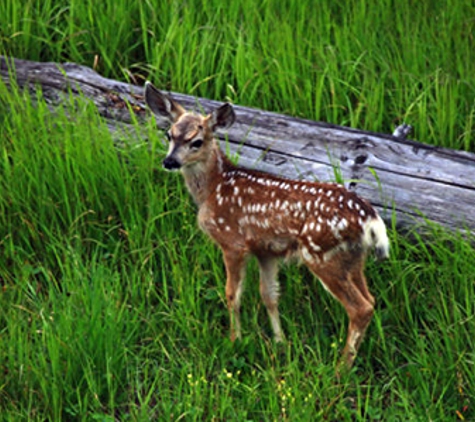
{"x": 171, "y": 163}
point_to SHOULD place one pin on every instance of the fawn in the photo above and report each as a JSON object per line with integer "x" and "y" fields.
{"x": 248, "y": 212}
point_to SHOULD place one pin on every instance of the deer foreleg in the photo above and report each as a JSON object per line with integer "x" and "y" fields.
{"x": 269, "y": 289}
{"x": 235, "y": 270}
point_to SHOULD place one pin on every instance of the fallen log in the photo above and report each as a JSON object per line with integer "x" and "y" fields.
{"x": 415, "y": 181}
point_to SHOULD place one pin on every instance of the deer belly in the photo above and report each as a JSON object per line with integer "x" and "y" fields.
{"x": 280, "y": 246}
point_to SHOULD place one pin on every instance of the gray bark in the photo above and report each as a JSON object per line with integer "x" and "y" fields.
{"x": 415, "y": 181}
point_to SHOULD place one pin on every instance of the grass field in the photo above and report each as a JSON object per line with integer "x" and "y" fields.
{"x": 112, "y": 304}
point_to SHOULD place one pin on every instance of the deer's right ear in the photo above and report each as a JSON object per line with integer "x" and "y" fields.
{"x": 162, "y": 105}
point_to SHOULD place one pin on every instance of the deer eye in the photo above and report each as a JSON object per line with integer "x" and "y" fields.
{"x": 196, "y": 144}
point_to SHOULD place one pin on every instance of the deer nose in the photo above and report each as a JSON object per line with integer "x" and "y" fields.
{"x": 171, "y": 163}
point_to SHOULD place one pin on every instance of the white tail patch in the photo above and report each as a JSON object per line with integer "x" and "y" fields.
{"x": 375, "y": 237}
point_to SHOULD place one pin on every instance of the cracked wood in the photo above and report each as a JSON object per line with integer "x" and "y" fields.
{"x": 397, "y": 175}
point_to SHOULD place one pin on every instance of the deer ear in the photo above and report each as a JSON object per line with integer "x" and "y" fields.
{"x": 162, "y": 105}
{"x": 222, "y": 117}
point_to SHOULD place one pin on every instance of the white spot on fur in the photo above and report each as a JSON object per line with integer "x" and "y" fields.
{"x": 343, "y": 224}
{"x": 313, "y": 245}
{"x": 306, "y": 255}
{"x": 336, "y": 233}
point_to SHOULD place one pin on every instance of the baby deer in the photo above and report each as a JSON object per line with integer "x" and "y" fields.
{"x": 248, "y": 212}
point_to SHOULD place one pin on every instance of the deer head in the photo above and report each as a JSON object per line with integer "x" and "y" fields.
{"x": 191, "y": 135}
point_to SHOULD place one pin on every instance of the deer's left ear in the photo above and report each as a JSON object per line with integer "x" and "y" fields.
{"x": 161, "y": 104}
{"x": 222, "y": 117}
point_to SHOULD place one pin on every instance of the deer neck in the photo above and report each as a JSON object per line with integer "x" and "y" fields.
{"x": 202, "y": 178}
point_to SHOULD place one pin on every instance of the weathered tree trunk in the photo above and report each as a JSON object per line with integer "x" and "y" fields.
{"x": 397, "y": 175}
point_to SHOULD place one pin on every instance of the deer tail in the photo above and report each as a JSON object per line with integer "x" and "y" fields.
{"x": 375, "y": 237}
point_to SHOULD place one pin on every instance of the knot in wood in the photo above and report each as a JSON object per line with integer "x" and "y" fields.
{"x": 274, "y": 159}
{"x": 360, "y": 143}
{"x": 358, "y": 152}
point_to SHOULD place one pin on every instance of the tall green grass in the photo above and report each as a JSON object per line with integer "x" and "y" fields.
{"x": 112, "y": 302}
{"x": 355, "y": 63}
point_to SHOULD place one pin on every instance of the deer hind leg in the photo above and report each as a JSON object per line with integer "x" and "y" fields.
{"x": 235, "y": 263}
{"x": 338, "y": 277}
{"x": 269, "y": 289}
{"x": 359, "y": 279}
